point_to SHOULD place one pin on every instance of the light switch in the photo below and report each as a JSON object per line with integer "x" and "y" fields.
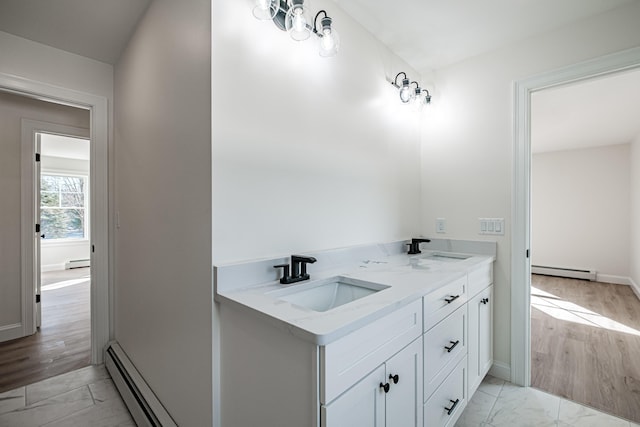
{"x": 441, "y": 225}
{"x": 491, "y": 225}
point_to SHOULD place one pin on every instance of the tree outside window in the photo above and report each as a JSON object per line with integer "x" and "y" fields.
{"x": 63, "y": 207}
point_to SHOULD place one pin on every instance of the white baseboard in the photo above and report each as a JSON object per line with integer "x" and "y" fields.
{"x": 634, "y": 287}
{"x": 143, "y": 404}
{"x": 500, "y": 370}
{"x": 610, "y": 278}
{"x": 52, "y": 267}
{"x": 11, "y": 332}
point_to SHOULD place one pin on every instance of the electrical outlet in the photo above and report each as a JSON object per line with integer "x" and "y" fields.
{"x": 441, "y": 225}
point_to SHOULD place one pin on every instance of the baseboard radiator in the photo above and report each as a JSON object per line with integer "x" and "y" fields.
{"x": 77, "y": 263}
{"x": 144, "y": 406}
{"x": 564, "y": 272}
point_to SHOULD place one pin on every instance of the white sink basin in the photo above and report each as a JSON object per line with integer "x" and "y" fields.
{"x": 326, "y": 294}
{"x": 446, "y": 257}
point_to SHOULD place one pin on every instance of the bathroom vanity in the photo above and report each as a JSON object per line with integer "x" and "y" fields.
{"x": 376, "y": 337}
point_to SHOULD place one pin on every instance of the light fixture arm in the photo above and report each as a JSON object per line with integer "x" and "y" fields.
{"x": 315, "y": 20}
{"x": 395, "y": 81}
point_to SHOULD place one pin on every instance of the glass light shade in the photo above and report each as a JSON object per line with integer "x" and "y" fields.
{"x": 298, "y": 20}
{"x": 329, "y": 39}
{"x": 265, "y": 10}
{"x": 405, "y": 91}
{"x": 417, "y": 100}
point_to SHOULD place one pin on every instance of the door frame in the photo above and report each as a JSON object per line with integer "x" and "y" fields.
{"x": 521, "y": 193}
{"x": 99, "y": 206}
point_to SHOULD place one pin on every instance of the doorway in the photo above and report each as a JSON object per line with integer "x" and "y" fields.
{"x": 585, "y": 319}
{"x": 521, "y": 237}
{"x": 23, "y": 322}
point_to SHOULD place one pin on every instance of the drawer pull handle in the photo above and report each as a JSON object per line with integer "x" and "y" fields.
{"x": 484, "y": 300}
{"x": 455, "y": 403}
{"x": 454, "y": 344}
{"x": 452, "y": 298}
{"x": 395, "y": 378}
{"x": 385, "y": 387}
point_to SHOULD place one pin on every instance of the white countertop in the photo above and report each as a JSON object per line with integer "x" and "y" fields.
{"x": 408, "y": 277}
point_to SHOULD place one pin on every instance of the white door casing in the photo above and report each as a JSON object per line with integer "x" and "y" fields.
{"x": 99, "y": 189}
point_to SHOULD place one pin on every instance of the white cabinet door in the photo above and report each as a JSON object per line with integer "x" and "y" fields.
{"x": 480, "y": 337}
{"x": 361, "y": 405}
{"x": 404, "y": 399}
{"x": 485, "y": 320}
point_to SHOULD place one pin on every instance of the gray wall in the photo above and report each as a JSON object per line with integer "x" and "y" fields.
{"x": 163, "y": 275}
{"x": 13, "y": 108}
{"x": 580, "y": 210}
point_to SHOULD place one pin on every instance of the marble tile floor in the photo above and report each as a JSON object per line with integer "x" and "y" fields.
{"x": 497, "y": 403}
{"x": 84, "y": 398}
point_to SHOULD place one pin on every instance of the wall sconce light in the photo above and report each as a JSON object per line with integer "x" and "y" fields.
{"x": 329, "y": 37}
{"x": 405, "y": 90}
{"x": 293, "y": 17}
{"x": 266, "y": 10}
{"x": 297, "y": 21}
{"x": 420, "y": 97}
{"x": 417, "y": 96}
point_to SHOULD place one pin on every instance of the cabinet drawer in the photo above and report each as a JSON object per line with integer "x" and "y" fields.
{"x": 345, "y": 361}
{"x": 441, "y": 302}
{"x": 480, "y": 278}
{"x": 439, "y": 410}
{"x": 444, "y": 345}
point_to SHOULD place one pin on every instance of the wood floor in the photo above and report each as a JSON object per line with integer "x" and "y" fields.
{"x": 62, "y": 344}
{"x": 585, "y": 343}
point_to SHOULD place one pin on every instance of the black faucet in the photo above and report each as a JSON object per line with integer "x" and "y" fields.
{"x": 298, "y": 269}
{"x": 414, "y": 246}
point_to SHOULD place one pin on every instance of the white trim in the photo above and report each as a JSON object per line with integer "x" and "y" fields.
{"x": 10, "y": 332}
{"x": 616, "y": 280}
{"x": 634, "y": 287}
{"x": 500, "y": 370}
{"x": 99, "y": 136}
{"x": 520, "y": 240}
{"x": 52, "y": 267}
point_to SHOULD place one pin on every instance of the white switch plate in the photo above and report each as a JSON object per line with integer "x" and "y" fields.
{"x": 491, "y": 226}
{"x": 441, "y": 225}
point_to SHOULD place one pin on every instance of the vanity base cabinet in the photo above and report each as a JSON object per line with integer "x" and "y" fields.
{"x": 368, "y": 404}
{"x": 480, "y": 337}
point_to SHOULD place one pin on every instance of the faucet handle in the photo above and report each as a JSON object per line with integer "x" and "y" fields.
{"x": 285, "y": 273}
{"x": 414, "y": 246}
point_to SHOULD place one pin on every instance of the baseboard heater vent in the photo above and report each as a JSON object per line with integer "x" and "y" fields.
{"x": 564, "y": 272}
{"x": 77, "y": 263}
{"x": 144, "y": 406}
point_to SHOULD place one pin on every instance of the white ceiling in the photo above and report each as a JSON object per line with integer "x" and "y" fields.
{"x": 431, "y": 34}
{"x": 597, "y": 112}
{"x": 64, "y": 146}
{"x": 97, "y": 29}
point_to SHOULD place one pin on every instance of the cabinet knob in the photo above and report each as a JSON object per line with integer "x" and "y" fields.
{"x": 455, "y": 403}
{"x": 385, "y": 387}
{"x": 452, "y": 298}
{"x": 395, "y": 378}
{"x": 452, "y": 346}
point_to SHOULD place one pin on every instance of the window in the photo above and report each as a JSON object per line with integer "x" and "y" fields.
{"x": 63, "y": 200}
